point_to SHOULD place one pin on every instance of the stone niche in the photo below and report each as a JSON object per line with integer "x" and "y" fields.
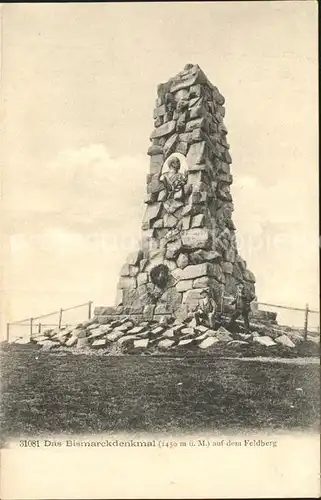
{"x": 188, "y": 235}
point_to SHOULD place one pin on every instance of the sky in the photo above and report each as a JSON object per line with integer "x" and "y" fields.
{"x": 78, "y": 91}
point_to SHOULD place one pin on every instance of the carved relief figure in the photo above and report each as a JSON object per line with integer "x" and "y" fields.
{"x": 174, "y": 180}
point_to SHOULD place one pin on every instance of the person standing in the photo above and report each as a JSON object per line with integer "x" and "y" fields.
{"x": 242, "y": 302}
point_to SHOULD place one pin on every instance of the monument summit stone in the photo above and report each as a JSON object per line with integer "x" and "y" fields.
{"x": 188, "y": 235}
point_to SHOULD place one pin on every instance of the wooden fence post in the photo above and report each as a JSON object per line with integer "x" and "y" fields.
{"x": 39, "y": 328}
{"x": 306, "y": 315}
{"x": 89, "y": 309}
{"x": 60, "y": 318}
{"x": 31, "y": 328}
{"x": 8, "y": 331}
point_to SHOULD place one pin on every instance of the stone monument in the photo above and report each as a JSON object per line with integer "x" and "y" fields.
{"x": 188, "y": 235}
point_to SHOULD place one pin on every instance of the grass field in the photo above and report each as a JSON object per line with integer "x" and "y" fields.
{"x": 50, "y": 393}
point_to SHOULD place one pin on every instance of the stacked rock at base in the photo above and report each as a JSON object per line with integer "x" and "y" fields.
{"x": 119, "y": 335}
{"x": 188, "y": 235}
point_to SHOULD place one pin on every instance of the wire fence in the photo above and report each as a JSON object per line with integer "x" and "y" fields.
{"x": 306, "y": 321}
{"x": 35, "y": 326}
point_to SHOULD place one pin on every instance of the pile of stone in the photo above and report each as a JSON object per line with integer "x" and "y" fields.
{"x": 188, "y": 238}
{"x": 150, "y": 336}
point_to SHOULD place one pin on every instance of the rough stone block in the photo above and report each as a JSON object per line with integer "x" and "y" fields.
{"x": 169, "y": 146}
{"x": 208, "y": 342}
{"x": 172, "y": 205}
{"x": 264, "y": 340}
{"x": 182, "y": 147}
{"x": 187, "y": 331}
{"x": 196, "y": 154}
{"x": 202, "y": 282}
{"x": 237, "y": 272}
{"x": 98, "y": 344}
{"x": 198, "y": 134}
{"x": 123, "y": 327}
{"x": 169, "y": 333}
{"x": 284, "y": 340}
{"x": 227, "y": 157}
{"x": 142, "y": 278}
{"x": 99, "y": 332}
{"x": 170, "y": 221}
{"x": 182, "y": 260}
{"x": 136, "y": 330}
{"x": 155, "y": 150}
{"x": 166, "y": 343}
{"x": 217, "y": 272}
{"x": 103, "y": 320}
{"x": 115, "y": 335}
{"x": 183, "y": 286}
{"x": 71, "y": 342}
{"x": 181, "y": 94}
{"x": 82, "y": 343}
{"x": 201, "y": 329}
{"x": 152, "y": 212}
{"x": 295, "y": 337}
{"x": 159, "y": 111}
{"x": 198, "y": 111}
{"x": 198, "y": 123}
{"x": 41, "y": 338}
{"x": 223, "y": 336}
{"x": 171, "y": 298}
{"x": 79, "y": 333}
{"x": 204, "y": 256}
{"x": 173, "y": 248}
{"x": 158, "y": 330}
{"x": 134, "y": 257}
{"x": 171, "y": 264}
{"x": 201, "y": 337}
{"x": 249, "y": 276}
{"x": 194, "y": 101}
{"x": 211, "y": 333}
{"x": 247, "y": 337}
{"x": 133, "y": 271}
{"x": 148, "y": 311}
{"x": 186, "y": 342}
{"x": 230, "y": 255}
{"x": 196, "y": 177}
{"x": 169, "y": 116}
{"x": 155, "y": 185}
{"x": 195, "y": 271}
{"x": 165, "y": 129}
{"x": 196, "y": 238}
{"x": 195, "y": 91}
{"x": 127, "y": 282}
{"x": 162, "y": 195}
{"x": 91, "y": 327}
{"x": 141, "y": 343}
{"x": 227, "y": 267}
{"x": 198, "y": 221}
{"x": 183, "y": 82}
{"x": 48, "y": 345}
{"x": 156, "y": 164}
{"x": 172, "y": 235}
{"x": 228, "y": 178}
